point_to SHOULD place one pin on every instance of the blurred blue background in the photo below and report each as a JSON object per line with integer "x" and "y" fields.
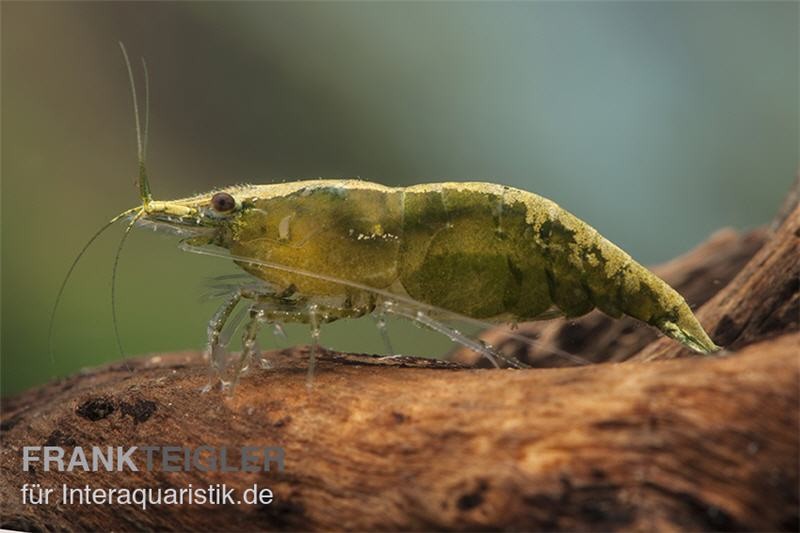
{"x": 656, "y": 122}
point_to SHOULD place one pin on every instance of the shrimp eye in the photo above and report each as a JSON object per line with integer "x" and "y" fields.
{"x": 222, "y": 202}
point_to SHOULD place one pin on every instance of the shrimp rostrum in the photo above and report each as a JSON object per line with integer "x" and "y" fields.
{"x": 330, "y": 249}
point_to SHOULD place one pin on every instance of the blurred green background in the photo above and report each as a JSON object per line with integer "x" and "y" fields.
{"x": 657, "y": 123}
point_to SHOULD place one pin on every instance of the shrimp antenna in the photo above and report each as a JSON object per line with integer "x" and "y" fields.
{"x": 144, "y": 183}
{"x": 146, "y": 136}
{"x": 69, "y": 275}
{"x": 114, "y": 320}
{"x": 144, "y": 193}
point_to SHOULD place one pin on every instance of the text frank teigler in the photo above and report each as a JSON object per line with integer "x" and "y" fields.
{"x": 43, "y": 459}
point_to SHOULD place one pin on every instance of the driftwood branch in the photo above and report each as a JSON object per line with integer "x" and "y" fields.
{"x": 692, "y": 444}
{"x": 698, "y": 443}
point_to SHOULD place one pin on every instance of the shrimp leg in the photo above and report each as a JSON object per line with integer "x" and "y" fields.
{"x": 380, "y": 322}
{"x": 249, "y": 345}
{"x": 405, "y": 311}
{"x": 219, "y": 320}
{"x": 274, "y": 310}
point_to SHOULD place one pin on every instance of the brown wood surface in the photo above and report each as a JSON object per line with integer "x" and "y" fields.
{"x": 694, "y": 443}
{"x": 707, "y": 443}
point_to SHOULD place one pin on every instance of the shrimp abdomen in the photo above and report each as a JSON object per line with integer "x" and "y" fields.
{"x": 460, "y": 251}
{"x": 490, "y": 251}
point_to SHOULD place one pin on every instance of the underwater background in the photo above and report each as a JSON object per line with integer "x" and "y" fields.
{"x": 655, "y": 122}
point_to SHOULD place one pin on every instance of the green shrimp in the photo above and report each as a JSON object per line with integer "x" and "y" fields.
{"x": 323, "y": 250}
{"x": 480, "y": 250}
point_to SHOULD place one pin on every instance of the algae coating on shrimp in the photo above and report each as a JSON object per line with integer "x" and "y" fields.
{"x": 483, "y": 250}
